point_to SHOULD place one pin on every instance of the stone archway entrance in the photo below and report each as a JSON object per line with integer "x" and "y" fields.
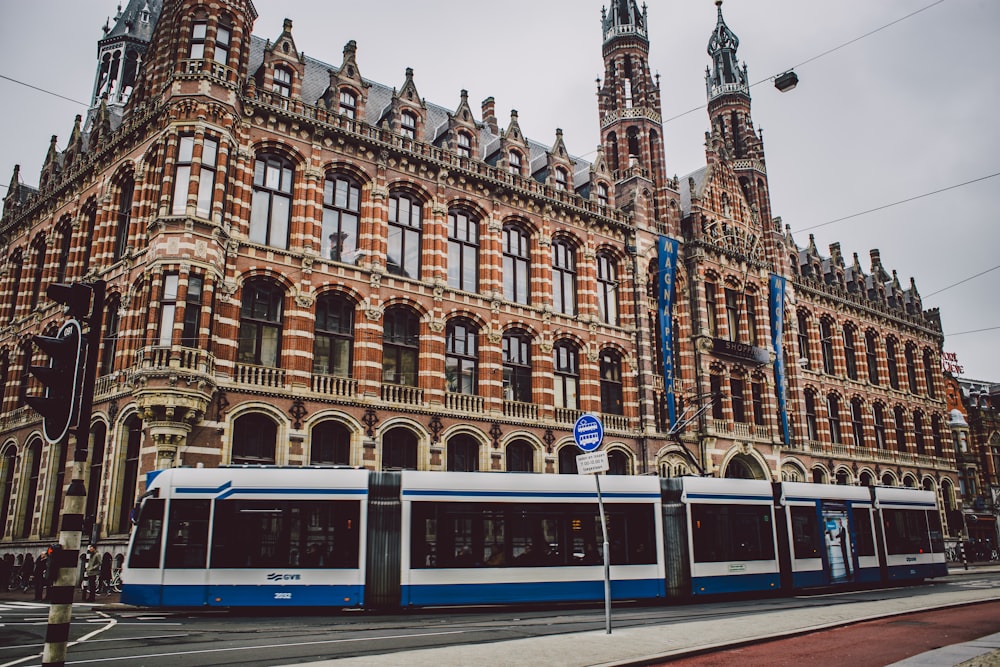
{"x": 742, "y": 466}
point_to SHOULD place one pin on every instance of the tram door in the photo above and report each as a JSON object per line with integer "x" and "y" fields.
{"x": 839, "y": 549}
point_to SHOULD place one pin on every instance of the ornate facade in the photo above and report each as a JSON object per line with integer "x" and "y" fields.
{"x": 307, "y": 267}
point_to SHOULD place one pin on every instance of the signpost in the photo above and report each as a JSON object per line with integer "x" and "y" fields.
{"x": 588, "y": 434}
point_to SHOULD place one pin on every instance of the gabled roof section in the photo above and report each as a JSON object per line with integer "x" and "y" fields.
{"x": 136, "y": 21}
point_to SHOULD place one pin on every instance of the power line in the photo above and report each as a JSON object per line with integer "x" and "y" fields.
{"x": 901, "y": 201}
{"x": 818, "y": 56}
{"x": 43, "y": 90}
{"x": 962, "y": 333}
{"x": 965, "y": 280}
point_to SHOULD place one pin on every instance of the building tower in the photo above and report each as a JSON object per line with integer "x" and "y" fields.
{"x": 629, "y": 107}
{"x": 121, "y": 51}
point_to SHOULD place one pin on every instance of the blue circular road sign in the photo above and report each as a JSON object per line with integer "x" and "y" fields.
{"x": 588, "y": 433}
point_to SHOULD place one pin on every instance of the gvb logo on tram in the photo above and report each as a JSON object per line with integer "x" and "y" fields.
{"x": 277, "y": 576}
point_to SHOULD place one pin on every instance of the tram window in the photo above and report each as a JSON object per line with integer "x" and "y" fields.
{"x": 805, "y": 532}
{"x": 906, "y": 531}
{"x": 477, "y": 535}
{"x": 937, "y": 537}
{"x": 187, "y": 534}
{"x": 146, "y": 545}
{"x": 865, "y": 539}
{"x": 287, "y": 533}
{"x": 732, "y": 533}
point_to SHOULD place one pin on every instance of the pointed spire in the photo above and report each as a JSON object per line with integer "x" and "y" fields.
{"x": 725, "y": 75}
{"x": 53, "y": 153}
{"x": 624, "y": 19}
{"x": 514, "y": 129}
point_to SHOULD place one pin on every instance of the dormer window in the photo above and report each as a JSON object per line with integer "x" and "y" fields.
{"x": 198, "y": 32}
{"x": 282, "y": 82}
{"x": 408, "y": 125}
{"x": 348, "y": 104}
{"x": 514, "y": 163}
{"x": 561, "y": 178}
{"x": 222, "y": 36}
{"x": 602, "y": 194}
{"x": 463, "y": 145}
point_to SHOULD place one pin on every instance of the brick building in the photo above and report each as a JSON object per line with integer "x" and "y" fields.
{"x": 308, "y": 267}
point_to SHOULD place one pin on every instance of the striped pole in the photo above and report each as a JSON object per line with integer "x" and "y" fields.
{"x": 66, "y": 558}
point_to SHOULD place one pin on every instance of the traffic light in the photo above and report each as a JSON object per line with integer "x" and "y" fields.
{"x": 75, "y": 296}
{"x": 59, "y": 405}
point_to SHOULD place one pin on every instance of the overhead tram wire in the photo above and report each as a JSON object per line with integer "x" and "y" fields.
{"x": 960, "y": 282}
{"x": 43, "y": 90}
{"x": 820, "y": 55}
{"x": 972, "y": 331}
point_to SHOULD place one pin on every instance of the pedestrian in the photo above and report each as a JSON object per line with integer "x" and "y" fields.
{"x": 40, "y": 573}
{"x": 93, "y": 572}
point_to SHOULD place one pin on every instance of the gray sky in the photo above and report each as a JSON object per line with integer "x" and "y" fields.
{"x": 906, "y": 111}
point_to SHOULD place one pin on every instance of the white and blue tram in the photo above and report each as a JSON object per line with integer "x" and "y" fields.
{"x": 266, "y": 536}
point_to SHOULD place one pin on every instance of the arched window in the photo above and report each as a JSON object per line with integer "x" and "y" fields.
{"x": 871, "y": 356}
{"x": 408, "y": 124}
{"x": 65, "y": 245}
{"x": 607, "y": 288}
{"x": 826, "y": 345}
{"x": 403, "y": 257}
{"x": 602, "y": 194}
{"x": 260, "y": 324}
{"x": 516, "y": 366}
{"x": 112, "y": 331}
{"x": 750, "y": 301}
{"x": 563, "y": 277}
{"x": 918, "y": 433}
{"x": 566, "y": 379}
{"x": 89, "y": 227}
{"x": 463, "y": 144}
{"x": 929, "y": 363}
{"x": 866, "y": 479}
{"x": 803, "y": 337}
{"x": 271, "y": 208}
{"x": 341, "y": 212}
{"x": 516, "y": 264}
{"x": 911, "y": 367}
{"x": 95, "y": 473}
{"x": 33, "y": 465}
{"x": 463, "y": 250}
{"x": 561, "y": 179}
{"x": 812, "y": 431}
{"x": 206, "y": 174}
{"x": 4, "y": 380}
{"x": 857, "y": 422}
{"x": 348, "y": 103}
{"x": 463, "y": 454}
{"x": 222, "y": 38}
{"x": 255, "y": 437}
{"x": 129, "y": 472}
{"x": 334, "y": 341}
{"x": 611, "y": 383}
{"x": 514, "y": 165}
{"x": 567, "y": 460}
{"x": 878, "y": 414}
{"x": 199, "y": 31}
{"x": 715, "y": 383}
{"x": 520, "y": 457}
{"x": 618, "y": 463}
{"x": 833, "y": 417}
{"x": 899, "y": 417}
{"x": 126, "y": 190}
{"x": 843, "y": 479}
{"x": 400, "y": 347}
{"x": 850, "y": 353}
{"x": 461, "y": 362}
{"x": 399, "y": 450}
{"x": 936, "y": 435}
{"x": 737, "y": 399}
{"x": 282, "y": 83}
{"x": 14, "y": 284}
{"x": 892, "y": 361}
{"x": 38, "y": 251}
{"x": 7, "y": 465}
{"x": 330, "y": 444}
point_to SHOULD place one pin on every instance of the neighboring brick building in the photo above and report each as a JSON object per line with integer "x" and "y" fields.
{"x": 308, "y": 267}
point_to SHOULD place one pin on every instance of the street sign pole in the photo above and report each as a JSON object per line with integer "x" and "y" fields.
{"x": 588, "y": 434}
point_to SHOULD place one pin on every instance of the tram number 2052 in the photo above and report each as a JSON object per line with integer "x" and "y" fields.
{"x": 282, "y": 596}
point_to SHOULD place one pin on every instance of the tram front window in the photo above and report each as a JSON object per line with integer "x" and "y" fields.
{"x": 146, "y": 544}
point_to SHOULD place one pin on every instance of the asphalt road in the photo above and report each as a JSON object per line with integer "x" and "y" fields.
{"x": 139, "y": 637}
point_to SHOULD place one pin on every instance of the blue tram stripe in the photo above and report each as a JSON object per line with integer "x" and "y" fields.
{"x": 227, "y": 490}
{"x": 722, "y": 496}
{"x": 525, "y": 494}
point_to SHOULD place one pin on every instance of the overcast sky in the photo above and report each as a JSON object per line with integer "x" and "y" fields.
{"x": 896, "y": 115}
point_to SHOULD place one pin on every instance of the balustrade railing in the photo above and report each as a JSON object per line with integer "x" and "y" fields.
{"x": 464, "y": 402}
{"x": 260, "y": 376}
{"x": 331, "y": 385}
{"x": 398, "y": 393}
{"x": 519, "y": 410}
{"x": 567, "y": 415}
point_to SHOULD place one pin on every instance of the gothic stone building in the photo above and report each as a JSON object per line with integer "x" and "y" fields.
{"x": 308, "y": 267}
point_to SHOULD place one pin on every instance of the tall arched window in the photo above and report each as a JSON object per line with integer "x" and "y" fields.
{"x": 65, "y": 245}
{"x": 330, "y": 444}
{"x": 826, "y": 345}
{"x": 892, "y": 361}
{"x": 14, "y": 284}
{"x": 878, "y": 414}
{"x": 567, "y": 460}
{"x": 95, "y": 472}
{"x": 918, "y": 433}
{"x": 408, "y": 124}
{"x": 463, "y": 250}
{"x": 563, "y": 277}
{"x": 566, "y": 378}
{"x": 911, "y": 367}
{"x": 857, "y": 422}
{"x": 607, "y": 288}
{"x": 400, "y": 347}
{"x": 334, "y": 340}
{"x": 850, "y": 352}
{"x": 38, "y": 251}
{"x": 399, "y": 450}
{"x": 33, "y": 465}
{"x": 348, "y": 103}
{"x": 812, "y": 431}
{"x": 516, "y": 264}
{"x": 405, "y": 215}
{"x": 461, "y": 361}
{"x": 4, "y": 379}
{"x": 618, "y": 462}
{"x": 520, "y": 457}
{"x": 929, "y": 363}
{"x": 938, "y": 441}
{"x": 129, "y": 472}
{"x": 516, "y": 350}
{"x": 833, "y": 417}
{"x": 561, "y": 179}
{"x": 611, "y": 383}
{"x": 463, "y": 454}
{"x": 282, "y": 83}
{"x": 463, "y": 144}
{"x": 112, "y": 331}
{"x": 126, "y": 190}
{"x": 899, "y": 417}
{"x": 871, "y": 356}
{"x": 803, "y": 337}
{"x": 514, "y": 163}
{"x": 341, "y": 212}
{"x": 7, "y": 464}
{"x": 255, "y": 438}
{"x": 260, "y": 324}
{"x": 271, "y": 208}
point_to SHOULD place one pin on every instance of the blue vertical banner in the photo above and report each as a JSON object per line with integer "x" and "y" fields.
{"x": 667, "y": 252}
{"x": 778, "y": 342}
